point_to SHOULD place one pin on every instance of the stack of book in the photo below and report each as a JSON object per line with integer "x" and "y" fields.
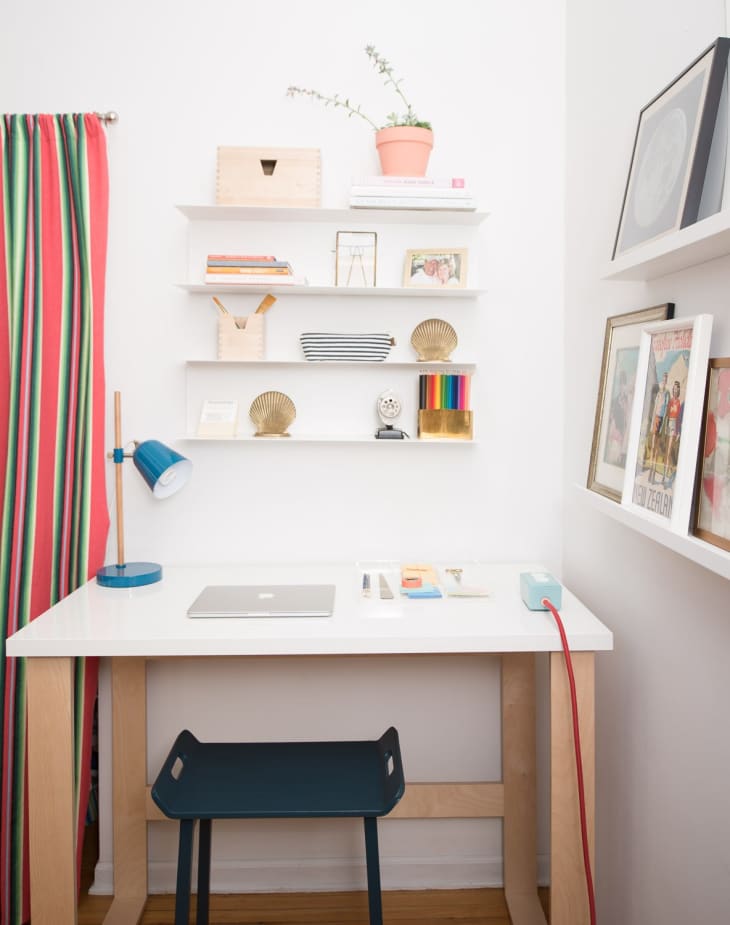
{"x": 412, "y": 193}
{"x": 250, "y": 270}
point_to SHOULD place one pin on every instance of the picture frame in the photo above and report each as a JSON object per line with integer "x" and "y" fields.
{"x": 356, "y": 259}
{"x": 711, "y": 516}
{"x": 615, "y": 398}
{"x": 436, "y": 268}
{"x": 671, "y": 151}
{"x": 666, "y": 419}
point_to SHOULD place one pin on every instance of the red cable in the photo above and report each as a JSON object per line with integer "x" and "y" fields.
{"x": 578, "y": 760}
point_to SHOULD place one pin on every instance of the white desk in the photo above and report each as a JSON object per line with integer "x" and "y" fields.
{"x": 131, "y": 626}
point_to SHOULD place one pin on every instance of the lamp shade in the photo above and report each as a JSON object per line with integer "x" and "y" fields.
{"x": 164, "y": 470}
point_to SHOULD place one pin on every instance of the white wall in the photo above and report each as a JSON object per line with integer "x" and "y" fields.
{"x": 663, "y": 756}
{"x": 188, "y": 76}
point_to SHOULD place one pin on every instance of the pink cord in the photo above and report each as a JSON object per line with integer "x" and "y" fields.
{"x": 578, "y": 760}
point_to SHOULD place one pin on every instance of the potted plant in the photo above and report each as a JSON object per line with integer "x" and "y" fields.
{"x": 404, "y": 142}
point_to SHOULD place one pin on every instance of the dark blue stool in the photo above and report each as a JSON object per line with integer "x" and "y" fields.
{"x": 272, "y": 780}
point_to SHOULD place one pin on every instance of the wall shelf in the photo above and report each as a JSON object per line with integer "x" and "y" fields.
{"x": 688, "y": 247}
{"x": 327, "y": 438}
{"x": 431, "y": 367}
{"x": 334, "y": 216}
{"x": 704, "y": 554}
{"x": 372, "y": 291}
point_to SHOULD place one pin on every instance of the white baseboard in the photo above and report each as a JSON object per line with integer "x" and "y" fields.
{"x": 329, "y": 874}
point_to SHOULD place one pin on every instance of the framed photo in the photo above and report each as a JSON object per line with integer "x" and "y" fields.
{"x": 671, "y": 151}
{"x": 665, "y": 420}
{"x": 616, "y": 396}
{"x": 712, "y": 492}
{"x": 356, "y": 254}
{"x": 435, "y": 268}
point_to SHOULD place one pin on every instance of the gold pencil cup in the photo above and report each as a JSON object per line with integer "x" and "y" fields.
{"x": 241, "y": 338}
{"x": 445, "y": 423}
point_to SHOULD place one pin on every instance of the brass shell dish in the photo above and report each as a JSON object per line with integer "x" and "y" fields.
{"x": 272, "y": 413}
{"x": 434, "y": 339}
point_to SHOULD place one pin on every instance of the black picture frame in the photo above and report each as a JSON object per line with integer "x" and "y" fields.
{"x": 671, "y": 152}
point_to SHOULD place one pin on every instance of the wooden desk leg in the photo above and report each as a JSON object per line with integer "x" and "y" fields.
{"x": 520, "y": 789}
{"x": 568, "y": 893}
{"x": 51, "y": 816}
{"x": 129, "y": 768}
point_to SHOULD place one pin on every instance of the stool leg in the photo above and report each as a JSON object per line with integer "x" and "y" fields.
{"x": 204, "y": 834}
{"x": 373, "y": 864}
{"x": 184, "y": 871}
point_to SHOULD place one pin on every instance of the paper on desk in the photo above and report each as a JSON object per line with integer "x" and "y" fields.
{"x": 458, "y": 587}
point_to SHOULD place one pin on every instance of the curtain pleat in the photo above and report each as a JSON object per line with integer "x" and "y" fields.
{"x": 53, "y": 509}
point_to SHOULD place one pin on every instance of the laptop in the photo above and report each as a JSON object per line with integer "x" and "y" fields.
{"x": 264, "y": 601}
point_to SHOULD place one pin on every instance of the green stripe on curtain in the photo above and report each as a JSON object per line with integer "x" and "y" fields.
{"x": 53, "y": 512}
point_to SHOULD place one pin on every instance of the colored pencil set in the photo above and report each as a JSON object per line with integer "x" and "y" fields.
{"x": 444, "y": 391}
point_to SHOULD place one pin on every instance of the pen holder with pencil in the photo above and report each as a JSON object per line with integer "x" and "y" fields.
{"x": 241, "y": 338}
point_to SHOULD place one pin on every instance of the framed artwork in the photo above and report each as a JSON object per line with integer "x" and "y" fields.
{"x": 671, "y": 152}
{"x": 435, "y": 267}
{"x": 712, "y": 491}
{"x": 356, "y": 255}
{"x": 615, "y": 398}
{"x": 665, "y": 420}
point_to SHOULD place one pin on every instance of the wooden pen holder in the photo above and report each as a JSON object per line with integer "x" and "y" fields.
{"x": 445, "y": 423}
{"x": 241, "y": 338}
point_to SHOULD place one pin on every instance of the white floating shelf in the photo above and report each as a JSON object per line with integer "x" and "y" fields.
{"x": 351, "y": 216}
{"x": 453, "y": 367}
{"x": 326, "y": 438}
{"x": 695, "y": 244}
{"x": 373, "y": 291}
{"x": 704, "y": 554}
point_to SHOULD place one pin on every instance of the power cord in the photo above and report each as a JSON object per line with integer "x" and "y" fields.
{"x": 578, "y": 760}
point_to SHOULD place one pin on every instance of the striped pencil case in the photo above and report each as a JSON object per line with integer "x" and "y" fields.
{"x": 319, "y": 347}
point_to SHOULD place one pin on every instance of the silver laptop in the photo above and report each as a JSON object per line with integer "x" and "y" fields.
{"x": 264, "y": 601}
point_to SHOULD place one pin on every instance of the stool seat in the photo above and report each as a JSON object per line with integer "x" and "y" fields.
{"x": 243, "y": 780}
{"x": 203, "y": 781}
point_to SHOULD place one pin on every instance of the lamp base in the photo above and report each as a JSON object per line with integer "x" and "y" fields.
{"x": 129, "y": 575}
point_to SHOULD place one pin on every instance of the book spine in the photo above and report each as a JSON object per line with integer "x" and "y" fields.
{"x": 231, "y": 262}
{"x": 410, "y": 191}
{"x": 257, "y": 279}
{"x": 412, "y": 202}
{"x": 239, "y": 257}
{"x": 254, "y": 271}
{"x": 438, "y": 182}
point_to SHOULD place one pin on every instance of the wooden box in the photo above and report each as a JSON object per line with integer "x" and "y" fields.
{"x": 268, "y": 177}
{"x": 241, "y": 338}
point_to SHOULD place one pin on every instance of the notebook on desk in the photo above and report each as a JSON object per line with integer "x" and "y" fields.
{"x": 264, "y": 601}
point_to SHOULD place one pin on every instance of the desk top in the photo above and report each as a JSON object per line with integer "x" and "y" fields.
{"x": 152, "y": 620}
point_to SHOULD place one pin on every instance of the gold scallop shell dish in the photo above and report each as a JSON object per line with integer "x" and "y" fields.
{"x": 434, "y": 339}
{"x": 272, "y": 413}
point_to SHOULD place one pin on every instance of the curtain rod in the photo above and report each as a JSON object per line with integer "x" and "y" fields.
{"x": 108, "y": 118}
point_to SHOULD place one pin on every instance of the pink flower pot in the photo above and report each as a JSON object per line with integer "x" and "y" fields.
{"x": 404, "y": 150}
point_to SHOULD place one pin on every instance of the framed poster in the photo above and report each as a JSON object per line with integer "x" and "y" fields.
{"x": 671, "y": 152}
{"x": 712, "y": 494}
{"x": 666, "y": 419}
{"x": 615, "y": 398}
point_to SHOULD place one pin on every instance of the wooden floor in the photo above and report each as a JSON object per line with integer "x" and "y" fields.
{"x": 427, "y": 907}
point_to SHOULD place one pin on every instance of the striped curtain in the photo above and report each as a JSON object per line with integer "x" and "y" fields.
{"x": 53, "y": 240}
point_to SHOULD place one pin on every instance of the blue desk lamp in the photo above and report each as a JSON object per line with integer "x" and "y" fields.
{"x": 165, "y": 471}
